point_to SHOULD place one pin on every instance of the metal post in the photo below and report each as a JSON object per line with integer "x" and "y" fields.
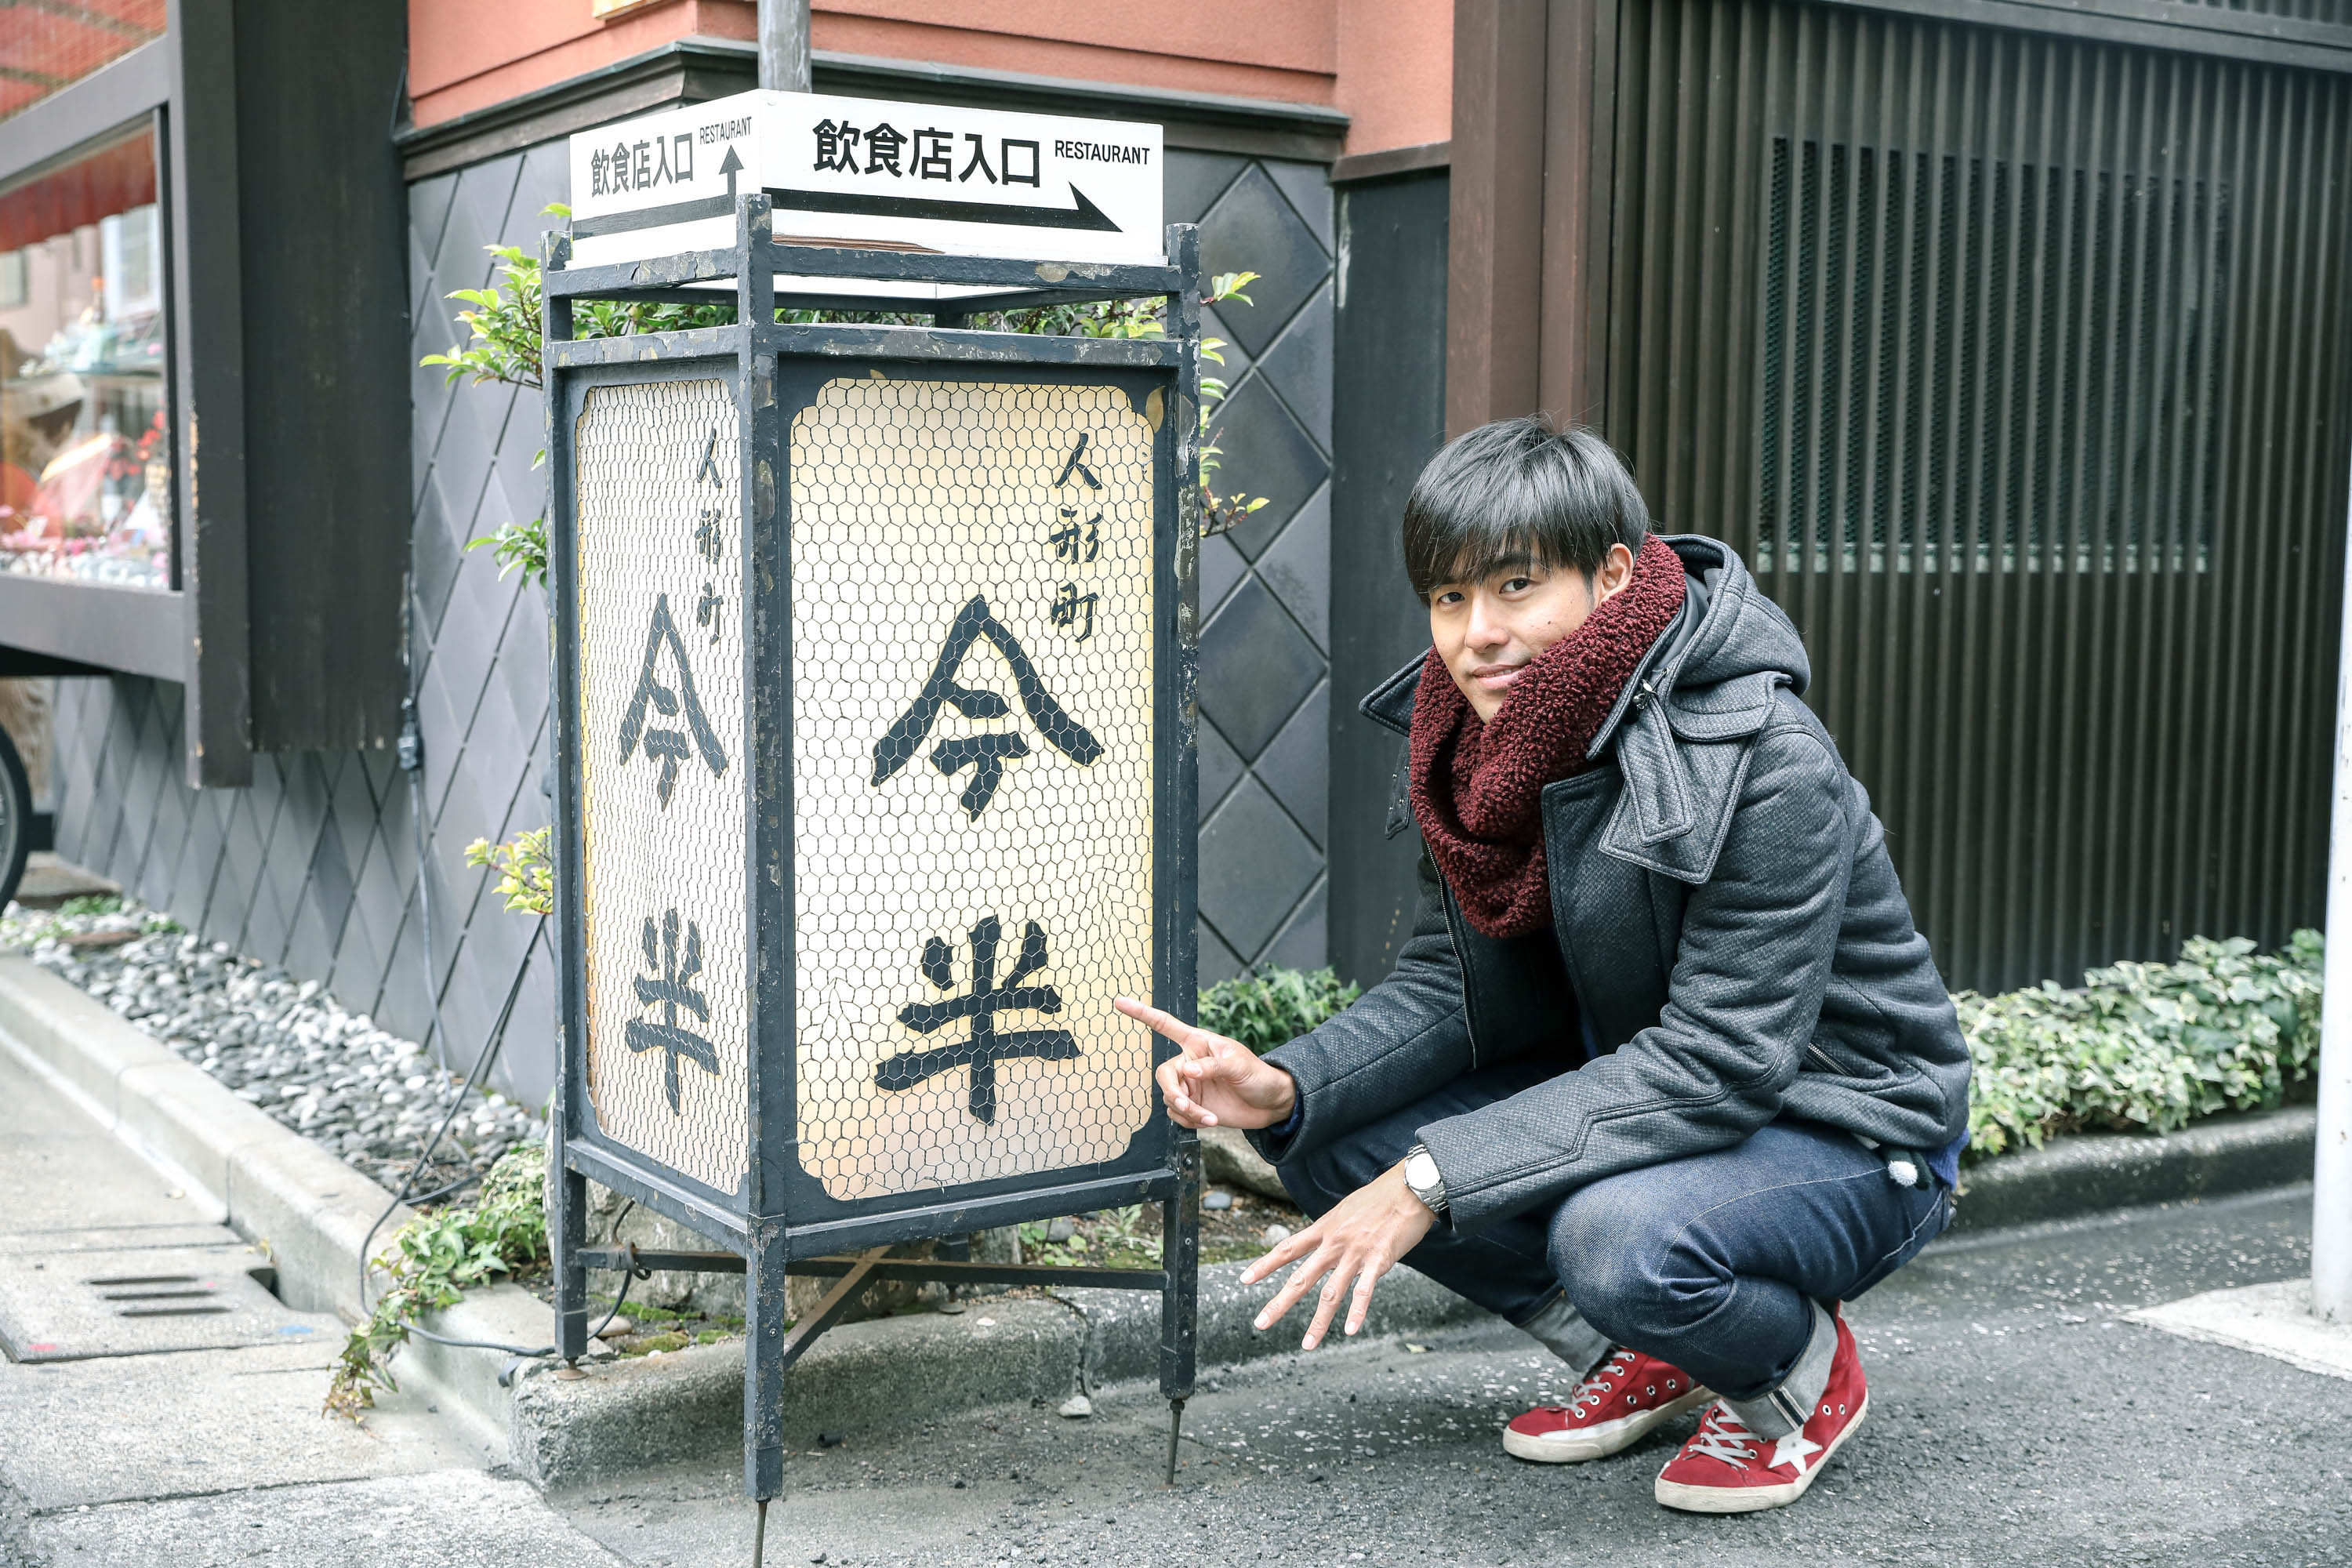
{"x": 785, "y": 45}
{"x": 567, "y": 1227}
{"x": 764, "y": 1359}
{"x": 569, "y": 1233}
{"x": 1180, "y": 1256}
{"x": 2331, "y": 1193}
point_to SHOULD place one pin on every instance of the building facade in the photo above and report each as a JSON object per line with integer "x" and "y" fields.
{"x": 313, "y": 859}
{"x": 2006, "y": 341}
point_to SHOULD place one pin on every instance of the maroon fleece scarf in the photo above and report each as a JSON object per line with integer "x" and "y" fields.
{"x": 1477, "y": 788}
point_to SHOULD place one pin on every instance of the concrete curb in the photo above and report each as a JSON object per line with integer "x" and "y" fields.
{"x": 625, "y": 1415}
{"x": 273, "y": 1184}
{"x": 276, "y": 1185}
{"x": 2091, "y": 1171}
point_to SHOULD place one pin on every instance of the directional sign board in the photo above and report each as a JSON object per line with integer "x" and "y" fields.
{"x": 868, "y": 172}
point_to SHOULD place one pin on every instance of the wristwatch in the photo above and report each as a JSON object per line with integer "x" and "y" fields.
{"x": 1421, "y": 1178}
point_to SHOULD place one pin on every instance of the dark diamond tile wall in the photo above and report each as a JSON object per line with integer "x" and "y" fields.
{"x": 1266, "y": 588}
{"x": 1253, "y": 228}
{"x": 315, "y": 867}
{"x": 1256, "y": 666}
{"x": 1264, "y": 451}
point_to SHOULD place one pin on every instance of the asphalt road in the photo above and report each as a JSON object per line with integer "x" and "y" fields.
{"x": 2015, "y": 1420}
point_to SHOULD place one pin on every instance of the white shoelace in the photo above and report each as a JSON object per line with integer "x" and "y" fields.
{"x": 1596, "y": 1384}
{"x": 1723, "y": 1436}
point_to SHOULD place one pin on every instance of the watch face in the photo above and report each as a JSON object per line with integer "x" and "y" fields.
{"x": 1421, "y": 1171}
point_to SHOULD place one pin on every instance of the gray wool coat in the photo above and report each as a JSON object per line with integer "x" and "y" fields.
{"x": 1729, "y": 944}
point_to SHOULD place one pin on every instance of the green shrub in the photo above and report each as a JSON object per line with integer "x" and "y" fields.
{"x": 434, "y": 1258}
{"x": 2143, "y": 1046}
{"x": 1272, "y": 1006}
{"x": 2138, "y": 1048}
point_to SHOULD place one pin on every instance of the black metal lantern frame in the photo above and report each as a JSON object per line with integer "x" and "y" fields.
{"x": 724, "y": 1151}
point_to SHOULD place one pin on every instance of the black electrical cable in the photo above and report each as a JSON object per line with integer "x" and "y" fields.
{"x": 481, "y": 1066}
{"x": 412, "y": 761}
{"x": 456, "y": 1100}
{"x": 452, "y": 1190}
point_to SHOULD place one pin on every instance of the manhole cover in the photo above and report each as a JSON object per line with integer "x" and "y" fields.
{"x": 73, "y": 1306}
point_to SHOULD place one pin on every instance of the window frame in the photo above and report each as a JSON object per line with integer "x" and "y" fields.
{"x": 194, "y": 633}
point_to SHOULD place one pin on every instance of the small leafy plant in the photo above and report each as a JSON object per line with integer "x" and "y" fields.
{"x": 1270, "y": 1007}
{"x": 434, "y": 1259}
{"x": 526, "y": 874}
{"x": 29, "y": 928}
{"x": 506, "y": 346}
{"x": 2138, "y": 1048}
{"x": 1115, "y": 1238}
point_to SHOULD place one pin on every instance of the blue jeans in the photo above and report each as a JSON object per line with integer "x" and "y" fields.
{"x": 1717, "y": 1262}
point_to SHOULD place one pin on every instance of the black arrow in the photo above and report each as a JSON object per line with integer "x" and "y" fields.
{"x": 1085, "y": 215}
{"x": 728, "y": 167}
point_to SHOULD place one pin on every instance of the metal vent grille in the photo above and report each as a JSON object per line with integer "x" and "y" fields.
{"x": 662, "y": 775}
{"x": 1890, "y": 277}
{"x": 972, "y": 666}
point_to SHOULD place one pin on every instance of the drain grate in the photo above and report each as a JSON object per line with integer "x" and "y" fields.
{"x": 74, "y": 1306}
{"x": 196, "y": 1298}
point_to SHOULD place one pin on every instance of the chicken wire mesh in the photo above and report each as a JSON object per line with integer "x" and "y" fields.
{"x": 661, "y": 773}
{"x": 973, "y": 776}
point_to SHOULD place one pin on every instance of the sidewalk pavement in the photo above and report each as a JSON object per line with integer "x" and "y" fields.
{"x": 2273, "y": 1320}
{"x": 201, "y": 1457}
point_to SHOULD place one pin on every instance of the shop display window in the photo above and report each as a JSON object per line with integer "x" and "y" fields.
{"x": 85, "y": 462}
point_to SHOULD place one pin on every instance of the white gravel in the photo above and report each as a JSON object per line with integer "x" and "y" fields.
{"x": 285, "y": 1044}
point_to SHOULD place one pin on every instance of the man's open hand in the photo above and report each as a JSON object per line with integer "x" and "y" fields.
{"x": 1217, "y": 1082}
{"x": 1357, "y": 1242}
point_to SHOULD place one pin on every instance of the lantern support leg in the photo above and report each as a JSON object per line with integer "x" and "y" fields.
{"x": 569, "y": 1235}
{"x": 1180, "y": 1256}
{"x": 765, "y": 1357}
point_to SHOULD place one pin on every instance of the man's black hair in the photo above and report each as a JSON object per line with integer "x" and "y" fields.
{"x": 1515, "y": 491}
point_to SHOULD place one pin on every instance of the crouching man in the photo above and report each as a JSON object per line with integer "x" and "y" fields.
{"x": 1665, "y": 1074}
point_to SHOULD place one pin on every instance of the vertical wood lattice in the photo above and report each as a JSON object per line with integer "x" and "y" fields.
{"x": 2016, "y": 368}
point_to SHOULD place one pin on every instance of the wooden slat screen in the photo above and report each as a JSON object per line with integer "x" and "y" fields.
{"x": 2017, "y": 366}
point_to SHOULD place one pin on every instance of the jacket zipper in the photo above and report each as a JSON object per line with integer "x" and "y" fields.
{"x": 1462, "y": 963}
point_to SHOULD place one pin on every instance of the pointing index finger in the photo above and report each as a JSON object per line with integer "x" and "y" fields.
{"x": 1194, "y": 1041}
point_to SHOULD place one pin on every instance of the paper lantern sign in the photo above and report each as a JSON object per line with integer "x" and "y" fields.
{"x": 875, "y": 647}
{"x": 973, "y": 661}
{"x": 969, "y": 659}
{"x": 663, "y": 797}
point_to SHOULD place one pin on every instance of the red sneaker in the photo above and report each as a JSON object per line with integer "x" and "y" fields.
{"x": 1727, "y": 1469}
{"x": 1614, "y": 1407}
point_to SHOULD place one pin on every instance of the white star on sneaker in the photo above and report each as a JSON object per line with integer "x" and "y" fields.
{"x": 1791, "y": 1451}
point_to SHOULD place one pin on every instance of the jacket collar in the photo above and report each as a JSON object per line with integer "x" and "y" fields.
{"x": 1390, "y": 704}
